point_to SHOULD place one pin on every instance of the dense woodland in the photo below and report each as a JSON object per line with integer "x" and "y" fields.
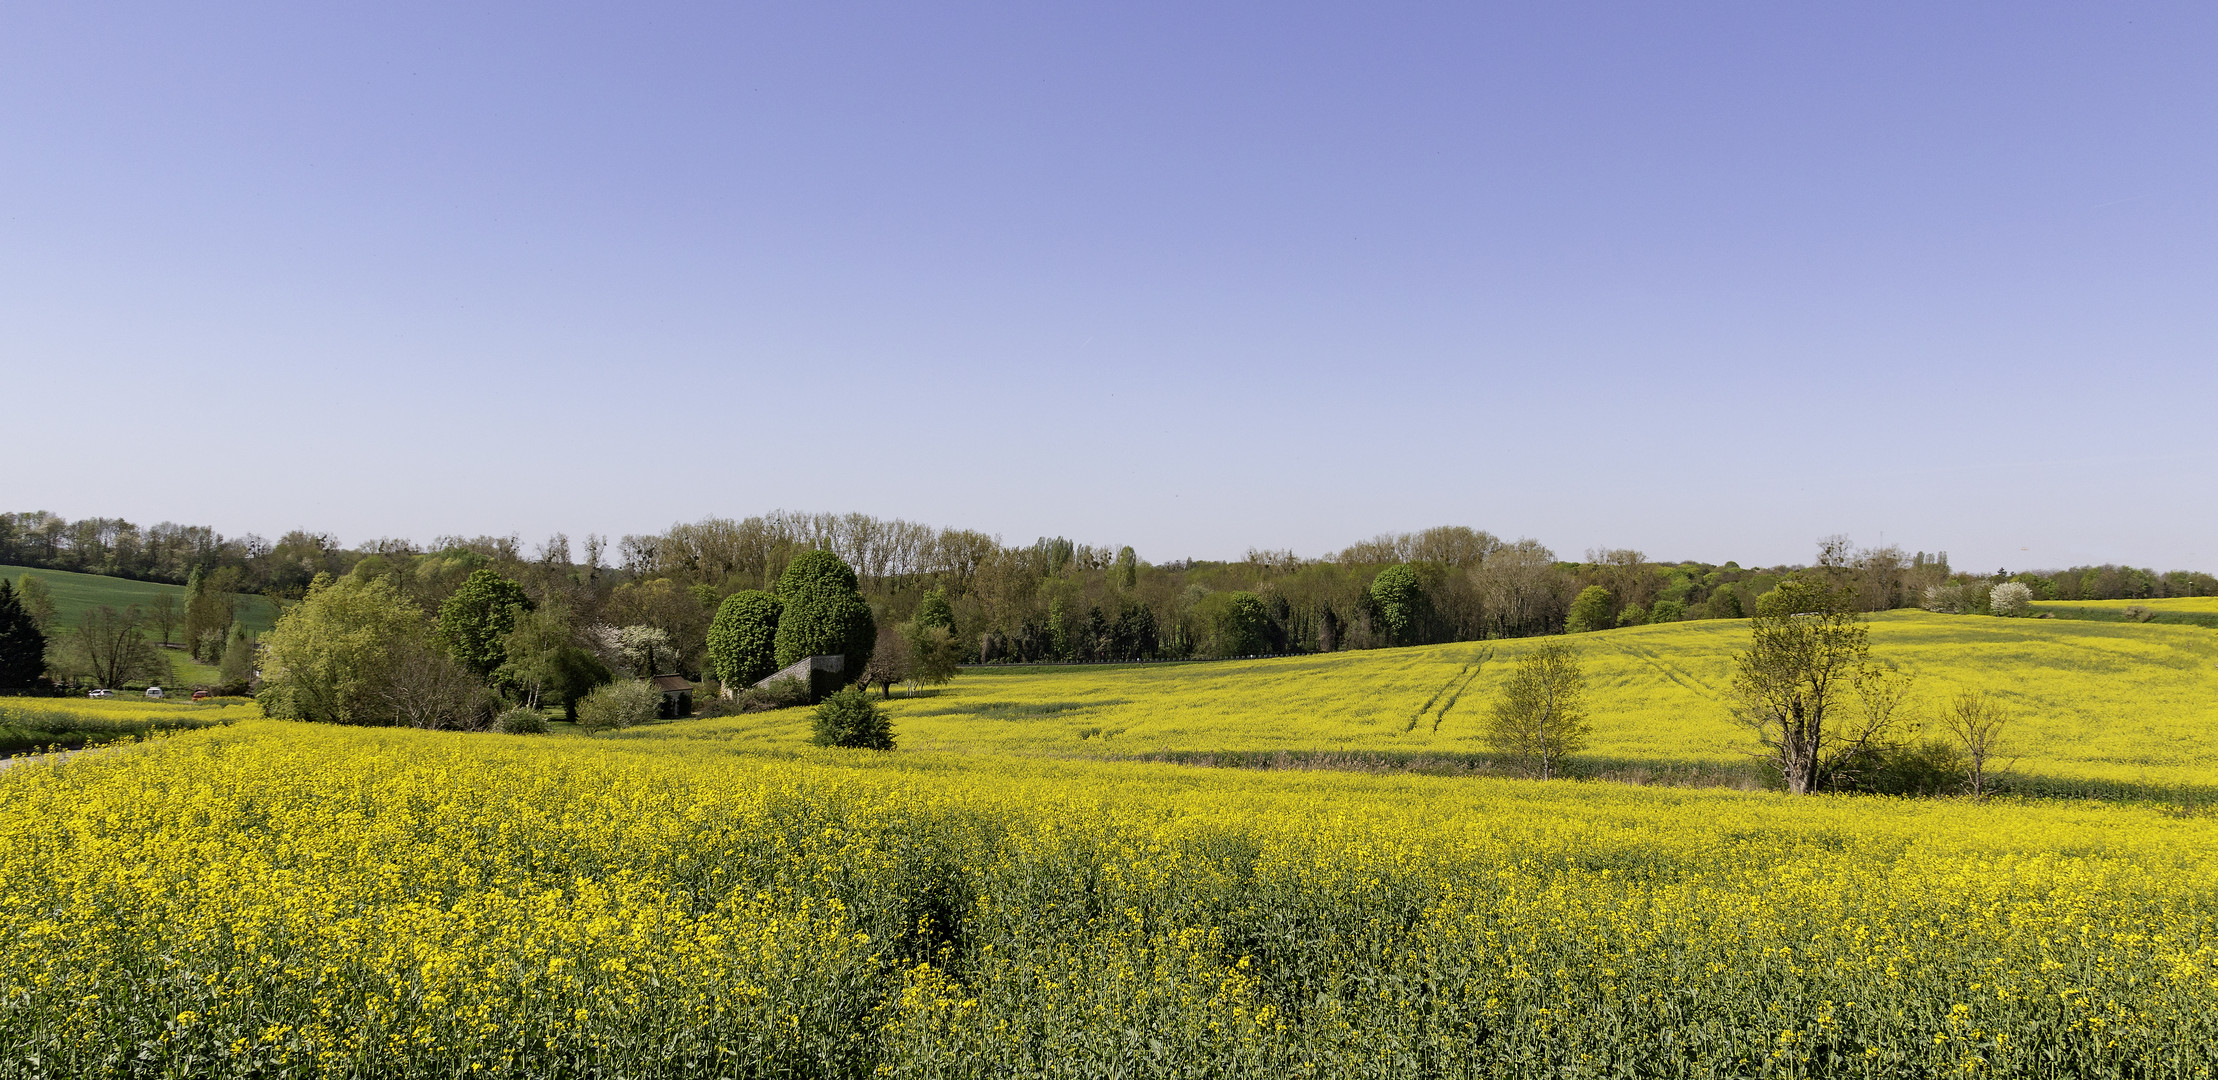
{"x": 1052, "y": 599}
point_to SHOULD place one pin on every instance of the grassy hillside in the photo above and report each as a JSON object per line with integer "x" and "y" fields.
{"x": 74, "y": 594}
{"x": 2098, "y": 701}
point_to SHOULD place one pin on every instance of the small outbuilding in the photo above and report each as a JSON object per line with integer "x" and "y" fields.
{"x": 820, "y": 674}
{"x": 677, "y": 696}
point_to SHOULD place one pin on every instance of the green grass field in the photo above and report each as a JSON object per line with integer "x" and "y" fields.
{"x": 2096, "y": 701}
{"x": 74, "y": 594}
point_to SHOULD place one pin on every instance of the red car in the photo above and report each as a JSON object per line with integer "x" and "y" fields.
{"x": 199, "y": 695}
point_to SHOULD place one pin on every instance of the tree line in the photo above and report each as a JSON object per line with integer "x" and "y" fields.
{"x": 1050, "y": 600}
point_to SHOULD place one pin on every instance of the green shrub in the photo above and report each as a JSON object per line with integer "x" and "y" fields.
{"x": 520, "y": 721}
{"x": 850, "y": 719}
{"x": 743, "y": 639}
{"x": 1667, "y": 611}
{"x": 1633, "y": 615}
{"x": 620, "y": 704}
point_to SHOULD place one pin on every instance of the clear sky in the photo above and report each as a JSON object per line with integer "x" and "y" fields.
{"x": 1709, "y": 280}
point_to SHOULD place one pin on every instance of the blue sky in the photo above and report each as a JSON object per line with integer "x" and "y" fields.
{"x": 1708, "y": 280}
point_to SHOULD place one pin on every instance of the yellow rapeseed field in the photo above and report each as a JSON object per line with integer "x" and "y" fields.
{"x": 2095, "y": 701}
{"x": 2204, "y": 605}
{"x": 286, "y": 900}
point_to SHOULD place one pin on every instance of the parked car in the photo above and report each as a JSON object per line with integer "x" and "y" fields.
{"x": 201, "y": 695}
{"x": 153, "y": 691}
{"x": 100, "y": 693}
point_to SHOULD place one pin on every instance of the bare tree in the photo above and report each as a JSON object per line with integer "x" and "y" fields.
{"x": 112, "y": 649}
{"x": 422, "y": 688}
{"x": 891, "y": 660}
{"x": 1540, "y": 718}
{"x": 1978, "y": 724}
{"x": 165, "y": 615}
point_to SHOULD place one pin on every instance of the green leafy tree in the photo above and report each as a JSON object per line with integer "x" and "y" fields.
{"x": 1809, "y": 651}
{"x": 934, "y": 610}
{"x": 825, "y": 613}
{"x": 336, "y": 656}
{"x": 1591, "y": 610}
{"x": 850, "y": 719}
{"x": 210, "y": 609}
{"x": 1633, "y": 615}
{"x": 1668, "y": 611}
{"x": 1127, "y": 570}
{"x": 237, "y": 668}
{"x": 1540, "y": 719}
{"x": 743, "y": 638}
{"x": 476, "y": 617}
{"x": 1242, "y": 625}
{"x": 22, "y": 643}
{"x": 543, "y": 662}
{"x": 37, "y": 602}
{"x": 1403, "y": 609}
{"x": 933, "y": 653}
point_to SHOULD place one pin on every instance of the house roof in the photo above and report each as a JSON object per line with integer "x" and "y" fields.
{"x": 671, "y": 684}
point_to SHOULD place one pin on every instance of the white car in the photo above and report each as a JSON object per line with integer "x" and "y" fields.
{"x": 100, "y": 693}
{"x": 153, "y": 691}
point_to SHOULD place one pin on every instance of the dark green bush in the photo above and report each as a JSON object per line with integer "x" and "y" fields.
{"x": 850, "y": 719}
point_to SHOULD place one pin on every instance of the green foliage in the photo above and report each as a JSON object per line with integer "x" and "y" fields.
{"x": 333, "y": 656}
{"x": 37, "y": 601}
{"x": 1725, "y": 603}
{"x": 1541, "y": 716}
{"x": 474, "y": 619}
{"x": 825, "y": 614}
{"x": 934, "y": 610}
{"x": 1242, "y": 625}
{"x": 237, "y": 668}
{"x": 543, "y": 662}
{"x": 520, "y": 721}
{"x": 1633, "y": 615}
{"x": 743, "y": 639}
{"x": 1808, "y": 649}
{"x": 933, "y": 653}
{"x": 850, "y": 719}
{"x": 814, "y": 570}
{"x": 22, "y": 646}
{"x": 622, "y": 704}
{"x": 1592, "y": 610}
{"x": 1668, "y": 611}
{"x": 1399, "y": 597}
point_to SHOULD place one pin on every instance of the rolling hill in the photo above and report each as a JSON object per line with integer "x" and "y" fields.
{"x": 2096, "y": 701}
{"x": 74, "y": 594}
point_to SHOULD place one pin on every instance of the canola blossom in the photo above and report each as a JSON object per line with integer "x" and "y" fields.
{"x": 2098, "y": 707}
{"x": 278, "y": 900}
